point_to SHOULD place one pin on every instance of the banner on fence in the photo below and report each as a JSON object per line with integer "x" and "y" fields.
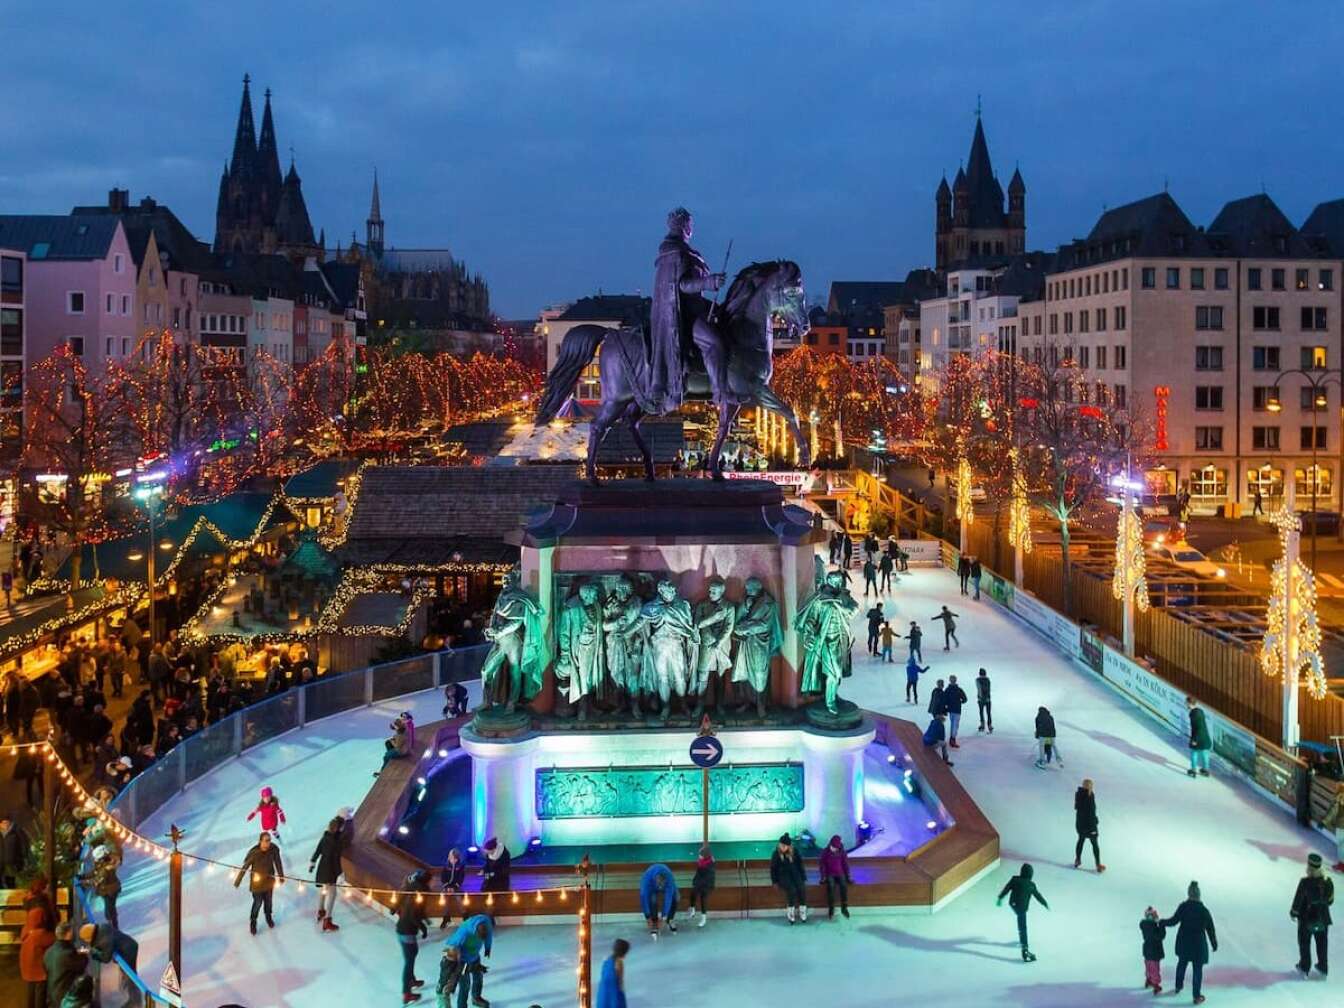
{"x": 1092, "y": 648}
{"x": 1062, "y": 631}
{"x": 999, "y": 589}
{"x": 923, "y": 552}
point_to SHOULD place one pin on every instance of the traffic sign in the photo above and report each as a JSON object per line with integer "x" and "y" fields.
{"x": 706, "y": 751}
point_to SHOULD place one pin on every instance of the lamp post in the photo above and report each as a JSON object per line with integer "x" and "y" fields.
{"x": 148, "y": 487}
{"x": 1317, "y": 379}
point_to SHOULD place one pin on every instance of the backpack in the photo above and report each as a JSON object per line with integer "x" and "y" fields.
{"x": 1318, "y": 907}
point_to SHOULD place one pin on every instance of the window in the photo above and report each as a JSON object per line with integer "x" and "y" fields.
{"x": 1084, "y": 353}
{"x": 1253, "y": 281}
{"x": 11, "y": 279}
{"x": 1265, "y": 438}
{"x": 74, "y": 302}
{"x": 1068, "y": 322}
{"x": 117, "y": 264}
{"x": 1101, "y": 358}
{"x": 1220, "y": 278}
{"x": 11, "y": 332}
{"x": 153, "y": 277}
{"x": 1054, "y": 324}
{"x": 1306, "y": 433}
{"x": 1101, "y": 320}
{"x": 1321, "y": 398}
{"x": 1149, "y": 278}
{"x": 1327, "y": 280}
{"x": 1266, "y": 480}
{"x": 125, "y": 346}
{"x": 1208, "y": 482}
{"x": 125, "y": 304}
{"x": 1265, "y": 317}
{"x": 177, "y": 316}
{"x": 1119, "y": 316}
{"x": 1265, "y": 358}
{"x": 1173, "y": 277}
{"x": 1303, "y": 480}
{"x": 1313, "y": 318}
{"x": 1120, "y": 358}
{"x": 1261, "y": 396}
{"x": 1276, "y": 279}
{"x": 108, "y": 343}
{"x": 1124, "y": 278}
{"x": 1208, "y": 358}
{"x": 1210, "y": 317}
{"x": 1208, "y": 397}
{"x": 1313, "y": 358}
{"x": 1209, "y": 438}
{"x": 1083, "y": 317}
{"x": 1196, "y": 278}
{"x": 1120, "y": 396}
{"x": 76, "y": 345}
{"x": 182, "y": 286}
{"x": 1300, "y": 279}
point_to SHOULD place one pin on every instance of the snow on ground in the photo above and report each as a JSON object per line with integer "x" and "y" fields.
{"x": 1159, "y": 830}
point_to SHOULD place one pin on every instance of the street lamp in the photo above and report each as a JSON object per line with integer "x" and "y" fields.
{"x": 1317, "y": 379}
{"x": 149, "y": 487}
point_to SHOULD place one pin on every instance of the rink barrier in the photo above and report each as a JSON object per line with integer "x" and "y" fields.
{"x": 260, "y": 722}
{"x": 1271, "y": 771}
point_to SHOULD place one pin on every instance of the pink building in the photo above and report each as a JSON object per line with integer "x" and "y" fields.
{"x": 79, "y": 284}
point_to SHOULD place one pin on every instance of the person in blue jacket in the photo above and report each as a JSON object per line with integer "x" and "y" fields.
{"x": 611, "y": 985}
{"x": 472, "y": 940}
{"x": 658, "y": 898}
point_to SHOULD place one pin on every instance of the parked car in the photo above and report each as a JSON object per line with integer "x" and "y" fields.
{"x": 1163, "y": 530}
{"x": 1185, "y": 556}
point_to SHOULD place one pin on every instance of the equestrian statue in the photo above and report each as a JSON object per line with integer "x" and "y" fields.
{"x": 692, "y": 348}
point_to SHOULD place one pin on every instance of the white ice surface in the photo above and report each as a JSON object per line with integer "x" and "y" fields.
{"x": 1159, "y": 830}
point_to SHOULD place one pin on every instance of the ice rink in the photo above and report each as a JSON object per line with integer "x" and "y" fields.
{"x": 1159, "y": 830}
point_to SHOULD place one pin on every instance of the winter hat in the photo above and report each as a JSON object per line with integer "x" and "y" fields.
{"x": 1027, "y": 871}
{"x": 125, "y": 761}
{"x": 491, "y": 844}
{"x": 1193, "y": 890}
{"x": 705, "y": 853}
{"x": 1150, "y": 914}
{"x": 266, "y": 792}
{"x": 1313, "y": 864}
{"x": 346, "y": 813}
{"x": 99, "y": 852}
{"x": 786, "y": 840}
{"x": 86, "y": 933}
{"x": 836, "y": 841}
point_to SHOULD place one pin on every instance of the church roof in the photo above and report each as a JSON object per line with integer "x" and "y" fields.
{"x": 292, "y": 226}
{"x": 416, "y": 260}
{"x": 986, "y": 197}
{"x": 943, "y": 190}
{"x": 245, "y": 136}
{"x": 1015, "y": 184}
{"x": 268, "y": 158}
{"x": 375, "y": 211}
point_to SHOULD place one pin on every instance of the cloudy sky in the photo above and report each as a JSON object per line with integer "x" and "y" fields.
{"x": 544, "y": 142}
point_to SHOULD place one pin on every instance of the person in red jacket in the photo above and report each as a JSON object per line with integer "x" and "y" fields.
{"x": 272, "y": 815}
{"x": 835, "y": 875}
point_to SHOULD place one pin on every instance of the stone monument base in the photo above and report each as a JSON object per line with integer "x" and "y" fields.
{"x": 845, "y": 716}
{"x": 496, "y": 722}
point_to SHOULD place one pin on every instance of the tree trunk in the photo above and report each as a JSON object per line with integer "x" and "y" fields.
{"x": 998, "y": 541}
{"x": 76, "y": 563}
{"x": 1066, "y": 566}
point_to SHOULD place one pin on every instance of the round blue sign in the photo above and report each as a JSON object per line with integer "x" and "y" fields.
{"x": 706, "y": 751}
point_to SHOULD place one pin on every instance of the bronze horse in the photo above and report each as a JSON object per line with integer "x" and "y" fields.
{"x": 761, "y": 295}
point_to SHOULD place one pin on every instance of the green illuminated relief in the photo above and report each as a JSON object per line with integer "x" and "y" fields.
{"x": 607, "y": 792}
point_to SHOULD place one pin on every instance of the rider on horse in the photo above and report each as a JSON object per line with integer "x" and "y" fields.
{"x": 680, "y": 317}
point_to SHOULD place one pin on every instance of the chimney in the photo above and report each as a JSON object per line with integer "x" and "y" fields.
{"x": 148, "y": 203}
{"x": 118, "y": 199}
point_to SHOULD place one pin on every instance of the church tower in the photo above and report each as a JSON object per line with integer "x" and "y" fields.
{"x": 971, "y": 224}
{"x": 373, "y": 227}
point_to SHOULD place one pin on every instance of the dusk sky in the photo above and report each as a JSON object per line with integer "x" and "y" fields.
{"x": 543, "y": 143}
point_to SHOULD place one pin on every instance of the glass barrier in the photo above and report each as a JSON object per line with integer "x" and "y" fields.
{"x": 400, "y": 678}
{"x": 208, "y": 748}
{"x": 264, "y": 721}
{"x": 159, "y": 782}
{"x": 333, "y": 694}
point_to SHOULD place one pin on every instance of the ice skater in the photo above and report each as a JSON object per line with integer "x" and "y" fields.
{"x": 954, "y": 698}
{"x": 410, "y": 928}
{"x": 875, "y": 620}
{"x": 702, "y": 884}
{"x": 658, "y": 898}
{"x": 982, "y": 701}
{"x": 1021, "y": 890}
{"x": 1085, "y": 824}
{"x": 1200, "y": 740}
{"x": 263, "y": 867}
{"x": 787, "y": 872}
{"x": 935, "y": 736}
{"x": 1154, "y": 934}
{"x": 884, "y": 567}
{"x": 611, "y": 984}
{"x": 977, "y": 571}
{"x": 834, "y": 872}
{"x": 888, "y": 638}
{"x": 916, "y": 639}
{"x": 949, "y": 620}
{"x": 870, "y": 577}
{"x": 272, "y": 815}
{"x": 963, "y": 571}
{"x": 1047, "y": 748}
{"x": 1195, "y": 937}
{"x": 327, "y": 860}
{"x": 462, "y": 953}
{"x": 1334, "y": 820}
{"x": 1311, "y": 910}
{"x": 913, "y": 670}
{"x": 452, "y": 877}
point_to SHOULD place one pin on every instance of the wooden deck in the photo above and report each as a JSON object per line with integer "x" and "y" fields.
{"x": 921, "y": 879}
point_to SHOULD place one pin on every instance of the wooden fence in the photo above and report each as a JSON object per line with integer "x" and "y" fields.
{"x": 1221, "y": 672}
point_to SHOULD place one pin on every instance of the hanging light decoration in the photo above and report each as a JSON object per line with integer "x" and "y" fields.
{"x": 1292, "y": 641}
{"x": 1130, "y": 564}
{"x": 965, "y": 510}
{"x": 1019, "y": 510}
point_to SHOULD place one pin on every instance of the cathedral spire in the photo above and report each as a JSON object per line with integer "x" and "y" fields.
{"x": 268, "y": 158}
{"x": 373, "y": 227}
{"x": 245, "y": 137}
{"x": 375, "y": 211}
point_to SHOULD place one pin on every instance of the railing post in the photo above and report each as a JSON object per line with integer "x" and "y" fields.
{"x": 368, "y": 686}
{"x": 438, "y": 669}
{"x": 237, "y": 733}
{"x": 181, "y": 751}
{"x": 303, "y": 706}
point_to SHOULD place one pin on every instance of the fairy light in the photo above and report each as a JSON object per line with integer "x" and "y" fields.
{"x": 1019, "y": 509}
{"x": 965, "y": 506}
{"x": 1130, "y": 563}
{"x": 1292, "y": 642}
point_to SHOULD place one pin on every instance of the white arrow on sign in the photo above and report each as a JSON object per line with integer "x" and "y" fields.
{"x": 706, "y": 751}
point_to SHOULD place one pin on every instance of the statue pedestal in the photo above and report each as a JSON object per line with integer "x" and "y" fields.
{"x": 687, "y": 530}
{"x": 574, "y": 788}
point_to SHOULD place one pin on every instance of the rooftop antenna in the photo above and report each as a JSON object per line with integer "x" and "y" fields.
{"x": 977, "y": 105}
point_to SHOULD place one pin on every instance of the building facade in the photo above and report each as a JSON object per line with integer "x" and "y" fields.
{"x": 13, "y": 359}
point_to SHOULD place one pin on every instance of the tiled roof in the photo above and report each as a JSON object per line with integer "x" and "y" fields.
{"x": 374, "y": 609}
{"x": 1256, "y": 227}
{"x": 440, "y": 502}
{"x": 426, "y": 553}
{"x": 626, "y": 309}
{"x": 848, "y": 296}
{"x": 1327, "y": 222}
{"x": 73, "y": 236}
{"x": 319, "y": 481}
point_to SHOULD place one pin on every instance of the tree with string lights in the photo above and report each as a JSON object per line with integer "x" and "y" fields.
{"x": 78, "y": 434}
{"x": 1070, "y": 448}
